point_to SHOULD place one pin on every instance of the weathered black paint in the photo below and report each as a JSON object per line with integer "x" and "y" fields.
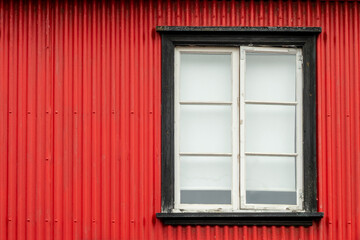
{"x": 271, "y": 30}
{"x": 167, "y": 125}
{"x": 259, "y": 219}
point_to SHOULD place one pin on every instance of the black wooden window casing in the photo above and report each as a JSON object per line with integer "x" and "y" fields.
{"x": 300, "y": 37}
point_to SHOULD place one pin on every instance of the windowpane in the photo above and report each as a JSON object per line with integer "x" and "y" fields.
{"x": 270, "y": 77}
{"x": 205, "y": 77}
{"x": 205, "y": 180}
{"x": 271, "y": 197}
{"x": 269, "y": 173}
{"x": 205, "y": 173}
{"x": 270, "y": 128}
{"x": 205, "y": 129}
{"x": 205, "y": 196}
{"x": 270, "y": 180}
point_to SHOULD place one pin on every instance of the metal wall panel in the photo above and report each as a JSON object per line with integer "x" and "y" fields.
{"x": 80, "y": 116}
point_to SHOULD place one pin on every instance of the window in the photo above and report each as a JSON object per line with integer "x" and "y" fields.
{"x": 238, "y": 126}
{"x": 211, "y": 135}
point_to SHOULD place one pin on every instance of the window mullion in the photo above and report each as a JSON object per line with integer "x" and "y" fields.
{"x": 235, "y": 129}
{"x": 242, "y": 127}
{"x": 299, "y": 129}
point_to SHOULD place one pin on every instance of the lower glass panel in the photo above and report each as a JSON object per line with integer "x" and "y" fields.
{"x": 205, "y": 196}
{"x": 270, "y": 180}
{"x": 270, "y": 197}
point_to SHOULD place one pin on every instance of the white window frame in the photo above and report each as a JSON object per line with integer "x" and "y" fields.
{"x": 234, "y": 51}
{"x": 238, "y": 191}
{"x": 299, "y": 133}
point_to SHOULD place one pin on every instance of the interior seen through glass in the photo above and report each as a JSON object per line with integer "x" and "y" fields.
{"x": 270, "y": 128}
{"x": 270, "y": 77}
{"x": 205, "y": 77}
{"x": 206, "y": 129}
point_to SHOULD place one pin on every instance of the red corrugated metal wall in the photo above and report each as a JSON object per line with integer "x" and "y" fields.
{"x": 80, "y": 116}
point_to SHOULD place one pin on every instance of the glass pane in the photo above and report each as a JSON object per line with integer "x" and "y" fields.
{"x": 205, "y": 173}
{"x": 270, "y": 197}
{"x": 205, "y": 196}
{"x": 205, "y": 77}
{"x": 205, "y": 129}
{"x": 270, "y": 180}
{"x": 205, "y": 180}
{"x": 270, "y": 77}
{"x": 268, "y": 173}
{"x": 270, "y": 129}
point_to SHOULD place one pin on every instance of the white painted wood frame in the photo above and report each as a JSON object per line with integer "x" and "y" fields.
{"x": 299, "y": 132}
{"x": 234, "y": 51}
{"x": 238, "y": 197}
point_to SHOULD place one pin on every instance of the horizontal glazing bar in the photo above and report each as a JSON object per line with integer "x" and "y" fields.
{"x": 205, "y": 188}
{"x": 271, "y": 154}
{"x": 271, "y": 103}
{"x": 206, "y": 207}
{"x": 205, "y": 103}
{"x": 206, "y": 154}
{"x": 270, "y": 50}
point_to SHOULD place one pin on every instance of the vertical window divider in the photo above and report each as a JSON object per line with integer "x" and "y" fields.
{"x": 299, "y": 129}
{"x": 242, "y": 126}
{"x": 235, "y": 129}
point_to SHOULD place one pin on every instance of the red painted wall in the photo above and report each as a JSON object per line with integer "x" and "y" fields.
{"x": 80, "y": 116}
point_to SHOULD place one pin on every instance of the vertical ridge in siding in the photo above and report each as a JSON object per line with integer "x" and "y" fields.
{"x": 4, "y": 117}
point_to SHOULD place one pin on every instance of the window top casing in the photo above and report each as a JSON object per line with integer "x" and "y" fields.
{"x": 212, "y": 29}
{"x": 302, "y": 38}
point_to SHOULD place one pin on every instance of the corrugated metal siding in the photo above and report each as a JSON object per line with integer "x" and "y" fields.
{"x": 80, "y": 116}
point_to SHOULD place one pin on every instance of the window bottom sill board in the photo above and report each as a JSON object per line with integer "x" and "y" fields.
{"x": 250, "y": 219}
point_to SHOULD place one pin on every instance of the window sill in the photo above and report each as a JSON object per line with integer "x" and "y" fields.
{"x": 252, "y": 219}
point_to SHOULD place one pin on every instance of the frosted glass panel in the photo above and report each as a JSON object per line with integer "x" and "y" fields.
{"x": 270, "y": 77}
{"x": 265, "y": 173}
{"x": 270, "y": 180}
{"x": 270, "y": 128}
{"x": 205, "y": 77}
{"x": 205, "y": 129}
{"x": 205, "y": 173}
{"x": 205, "y": 180}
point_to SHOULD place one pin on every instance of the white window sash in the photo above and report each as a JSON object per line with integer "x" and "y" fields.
{"x": 299, "y": 151}
{"x": 238, "y": 191}
{"x": 235, "y": 130}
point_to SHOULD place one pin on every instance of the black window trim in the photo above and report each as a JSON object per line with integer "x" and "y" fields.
{"x": 302, "y": 37}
